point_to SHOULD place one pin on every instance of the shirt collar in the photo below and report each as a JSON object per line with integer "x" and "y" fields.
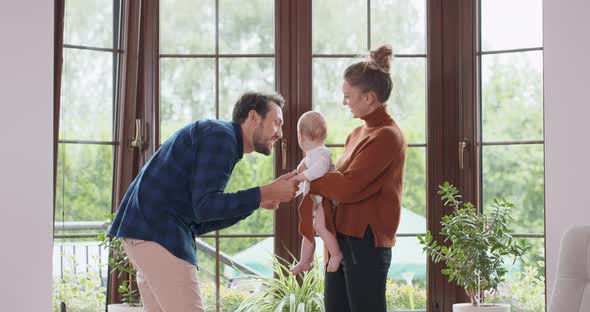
{"x": 239, "y": 138}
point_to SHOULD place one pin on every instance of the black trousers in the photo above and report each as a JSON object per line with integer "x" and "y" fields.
{"x": 359, "y": 283}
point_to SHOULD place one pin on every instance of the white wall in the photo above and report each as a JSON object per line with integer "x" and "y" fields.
{"x": 567, "y": 121}
{"x": 26, "y": 155}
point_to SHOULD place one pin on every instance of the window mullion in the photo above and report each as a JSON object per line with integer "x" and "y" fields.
{"x": 293, "y": 81}
{"x": 451, "y": 119}
{"x": 126, "y": 86}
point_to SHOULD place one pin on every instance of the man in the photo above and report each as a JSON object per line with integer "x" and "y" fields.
{"x": 179, "y": 194}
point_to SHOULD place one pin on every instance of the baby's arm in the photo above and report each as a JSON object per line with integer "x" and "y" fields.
{"x": 299, "y": 177}
{"x": 320, "y": 166}
{"x": 315, "y": 171}
{"x": 301, "y": 167}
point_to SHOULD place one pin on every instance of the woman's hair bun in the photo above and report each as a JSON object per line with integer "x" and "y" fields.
{"x": 381, "y": 58}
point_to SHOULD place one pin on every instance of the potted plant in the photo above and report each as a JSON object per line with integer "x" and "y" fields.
{"x": 119, "y": 262}
{"x": 477, "y": 245}
{"x": 285, "y": 292}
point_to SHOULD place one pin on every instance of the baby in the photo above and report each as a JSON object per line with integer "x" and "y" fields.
{"x": 311, "y": 134}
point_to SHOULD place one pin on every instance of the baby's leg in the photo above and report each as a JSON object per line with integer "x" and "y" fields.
{"x": 305, "y": 262}
{"x": 329, "y": 239}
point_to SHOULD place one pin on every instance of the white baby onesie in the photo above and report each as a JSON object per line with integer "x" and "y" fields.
{"x": 318, "y": 162}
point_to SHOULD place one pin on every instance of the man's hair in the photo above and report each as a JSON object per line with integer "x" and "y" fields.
{"x": 257, "y": 101}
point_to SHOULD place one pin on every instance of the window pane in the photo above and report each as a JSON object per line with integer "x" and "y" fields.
{"x": 187, "y": 27}
{"x": 206, "y": 262}
{"x": 400, "y": 23}
{"x": 336, "y": 153}
{"x": 406, "y": 276}
{"x": 238, "y": 75}
{"x": 89, "y": 23}
{"x": 515, "y": 172}
{"x": 84, "y": 182}
{"x": 524, "y": 288}
{"x": 413, "y": 218}
{"x": 408, "y": 98}
{"x": 508, "y": 24}
{"x": 327, "y": 97}
{"x": 87, "y": 96}
{"x": 253, "y": 170}
{"x": 247, "y": 28}
{"x": 512, "y": 96}
{"x": 339, "y": 26}
{"x": 187, "y": 92}
{"x": 254, "y": 253}
{"x": 80, "y": 274}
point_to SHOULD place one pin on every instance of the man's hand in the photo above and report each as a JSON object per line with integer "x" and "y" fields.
{"x": 298, "y": 178}
{"x": 281, "y": 189}
{"x": 270, "y": 205}
{"x": 287, "y": 176}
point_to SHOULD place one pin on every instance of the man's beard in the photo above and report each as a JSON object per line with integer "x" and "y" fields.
{"x": 259, "y": 142}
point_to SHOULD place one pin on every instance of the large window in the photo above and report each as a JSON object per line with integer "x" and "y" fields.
{"x": 87, "y": 147}
{"x": 342, "y": 32}
{"x": 464, "y": 72}
{"x": 510, "y": 57}
{"x": 210, "y": 53}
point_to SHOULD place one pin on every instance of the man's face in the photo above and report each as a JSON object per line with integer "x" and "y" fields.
{"x": 269, "y": 130}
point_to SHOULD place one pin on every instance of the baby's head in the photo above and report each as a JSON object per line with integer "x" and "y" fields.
{"x": 311, "y": 128}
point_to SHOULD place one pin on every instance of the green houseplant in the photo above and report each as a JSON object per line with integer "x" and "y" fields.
{"x": 477, "y": 245}
{"x": 119, "y": 262}
{"x": 284, "y": 293}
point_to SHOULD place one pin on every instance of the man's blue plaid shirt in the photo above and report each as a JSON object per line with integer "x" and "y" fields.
{"x": 179, "y": 193}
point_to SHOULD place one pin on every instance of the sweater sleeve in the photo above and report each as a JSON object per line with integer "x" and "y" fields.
{"x": 356, "y": 182}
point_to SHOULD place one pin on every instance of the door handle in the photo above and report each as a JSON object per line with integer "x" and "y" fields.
{"x": 137, "y": 141}
{"x": 463, "y": 145}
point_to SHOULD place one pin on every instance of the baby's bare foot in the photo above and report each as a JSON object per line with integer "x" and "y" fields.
{"x": 334, "y": 262}
{"x": 301, "y": 267}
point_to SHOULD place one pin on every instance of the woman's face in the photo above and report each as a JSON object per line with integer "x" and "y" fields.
{"x": 356, "y": 100}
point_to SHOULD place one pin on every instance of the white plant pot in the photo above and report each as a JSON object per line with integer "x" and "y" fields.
{"x": 468, "y": 307}
{"x": 123, "y": 308}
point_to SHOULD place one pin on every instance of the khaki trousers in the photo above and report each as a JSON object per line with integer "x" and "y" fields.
{"x": 166, "y": 283}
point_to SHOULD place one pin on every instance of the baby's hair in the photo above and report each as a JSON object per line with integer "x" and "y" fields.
{"x": 313, "y": 125}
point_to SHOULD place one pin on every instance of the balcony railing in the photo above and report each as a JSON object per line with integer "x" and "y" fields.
{"x": 88, "y": 254}
{"x": 76, "y": 248}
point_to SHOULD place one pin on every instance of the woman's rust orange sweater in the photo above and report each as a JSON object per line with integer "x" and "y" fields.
{"x": 368, "y": 181}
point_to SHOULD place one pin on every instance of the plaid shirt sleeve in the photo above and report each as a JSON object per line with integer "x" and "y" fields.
{"x": 215, "y": 158}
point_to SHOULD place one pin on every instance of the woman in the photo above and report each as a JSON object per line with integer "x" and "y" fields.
{"x": 367, "y": 185}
